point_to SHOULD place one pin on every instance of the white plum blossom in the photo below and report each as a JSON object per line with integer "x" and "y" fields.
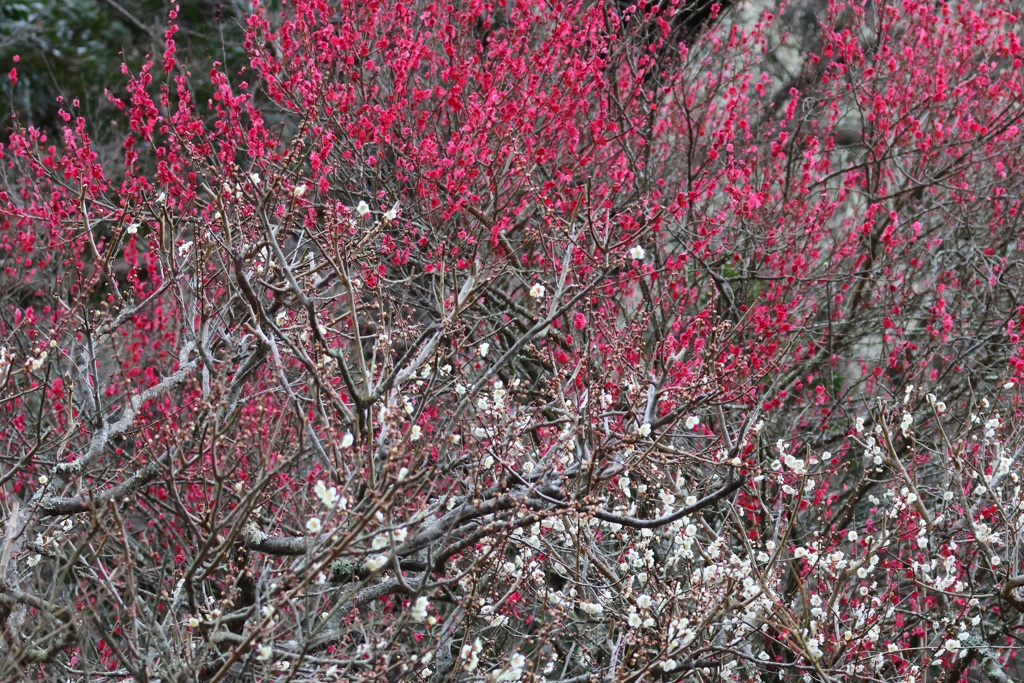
{"x": 327, "y": 496}
{"x": 794, "y": 463}
{"x": 391, "y": 214}
{"x": 637, "y": 253}
{"x": 537, "y": 291}
{"x": 514, "y": 672}
{"x": 645, "y": 430}
{"x": 347, "y": 440}
{"x": 419, "y": 608}
{"x": 483, "y": 349}
{"x": 363, "y": 209}
{"x": 470, "y": 655}
{"x": 298, "y": 191}
{"x": 692, "y": 421}
{"x": 314, "y": 526}
{"x": 991, "y": 425}
{"x": 376, "y": 562}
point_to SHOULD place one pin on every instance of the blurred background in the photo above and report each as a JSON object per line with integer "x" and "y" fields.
{"x": 75, "y": 48}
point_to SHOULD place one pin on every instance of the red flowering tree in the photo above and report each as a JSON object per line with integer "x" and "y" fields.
{"x": 526, "y": 341}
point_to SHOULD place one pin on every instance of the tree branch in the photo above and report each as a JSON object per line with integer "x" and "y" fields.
{"x": 638, "y": 523}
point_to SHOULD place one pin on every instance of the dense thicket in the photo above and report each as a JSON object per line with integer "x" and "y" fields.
{"x": 524, "y": 341}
